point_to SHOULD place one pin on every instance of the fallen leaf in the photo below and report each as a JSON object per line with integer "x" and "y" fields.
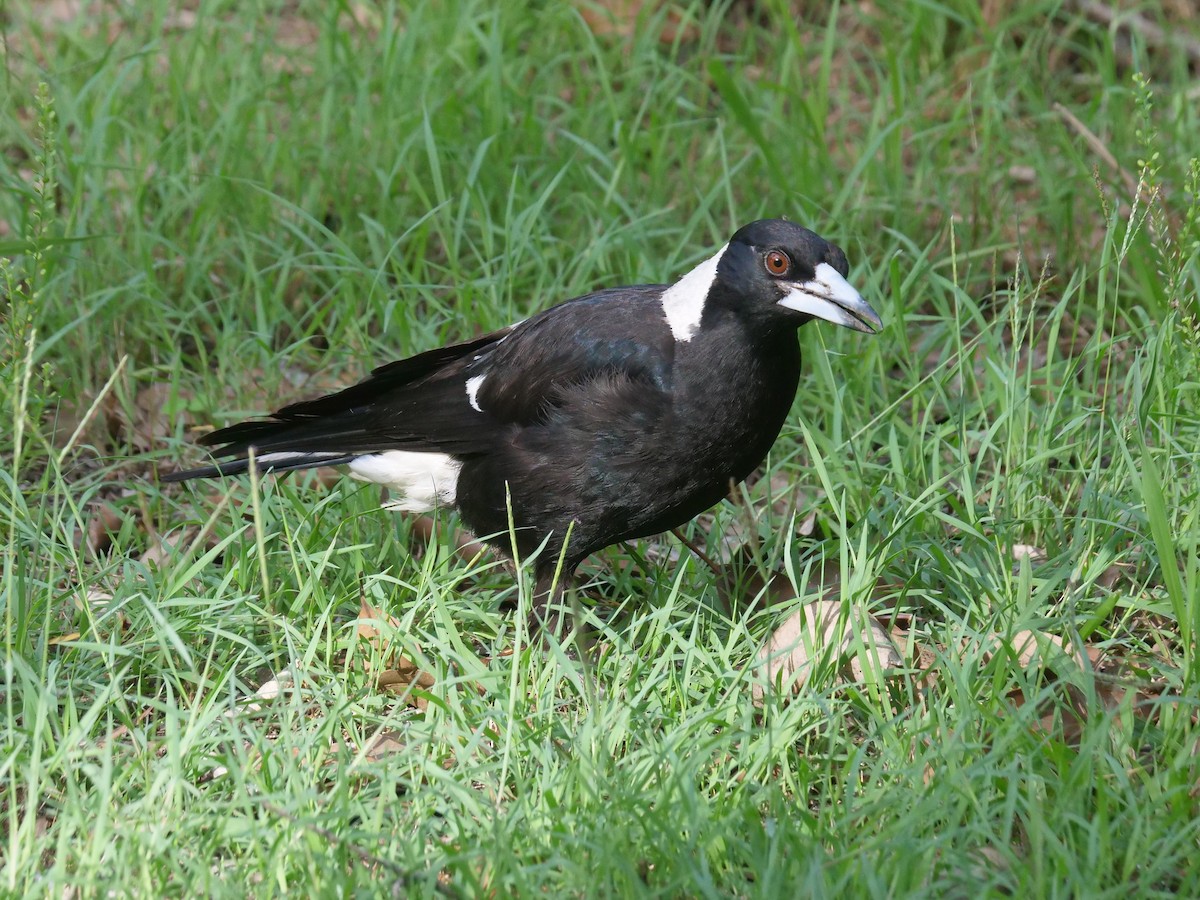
{"x": 95, "y": 603}
{"x": 1029, "y": 552}
{"x": 98, "y": 598}
{"x": 466, "y": 547}
{"x": 822, "y": 631}
{"x": 1030, "y": 647}
{"x": 401, "y": 674}
{"x": 269, "y": 690}
{"x": 981, "y": 864}
{"x": 146, "y": 422}
{"x": 180, "y": 20}
{"x": 368, "y": 615}
{"x": 57, "y": 12}
{"x": 106, "y": 522}
{"x": 152, "y": 421}
{"x": 122, "y": 730}
{"x": 1114, "y": 573}
{"x": 922, "y": 656}
{"x": 1061, "y": 715}
{"x": 623, "y": 18}
{"x": 405, "y": 672}
{"x": 164, "y": 547}
{"x": 75, "y": 418}
{"x": 386, "y": 743}
{"x": 274, "y": 686}
{"x": 403, "y": 679}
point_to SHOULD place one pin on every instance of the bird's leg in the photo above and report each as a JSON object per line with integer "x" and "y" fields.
{"x": 546, "y": 610}
{"x": 699, "y": 552}
{"x": 552, "y": 574}
{"x": 555, "y": 614}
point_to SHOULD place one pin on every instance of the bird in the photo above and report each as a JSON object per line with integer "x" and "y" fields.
{"x": 612, "y": 416}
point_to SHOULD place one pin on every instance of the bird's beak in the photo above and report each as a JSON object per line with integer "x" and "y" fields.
{"x": 829, "y": 296}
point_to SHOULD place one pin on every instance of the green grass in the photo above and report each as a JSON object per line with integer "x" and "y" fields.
{"x": 246, "y": 203}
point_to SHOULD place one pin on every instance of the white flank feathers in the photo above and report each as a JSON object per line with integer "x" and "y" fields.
{"x": 683, "y": 302}
{"x": 422, "y": 481}
{"x": 473, "y": 385}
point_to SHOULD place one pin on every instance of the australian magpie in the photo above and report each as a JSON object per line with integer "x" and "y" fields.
{"x": 615, "y": 415}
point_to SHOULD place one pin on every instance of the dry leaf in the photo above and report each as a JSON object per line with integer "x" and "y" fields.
{"x": 150, "y": 419}
{"x": 1063, "y": 720}
{"x": 622, "y": 18}
{"x": 98, "y": 598}
{"x": 99, "y": 601}
{"x": 1114, "y": 573}
{"x": 180, "y": 20}
{"x": 152, "y": 422}
{"x": 1030, "y": 647}
{"x": 807, "y": 525}
{"x": 274, "y": 687}
{"x": 269, "y": 690}
{"x": 75, "y": 417}
{"x": 57, "y": 12}
{"x": 403, "y": 679}
{"x": 982, "y": 864}
{"x": 106, "y": 521}
{"x": 820, "y": 631}
{"x": 465, "y": 546}
{"x": 386, "y": 743}
{"x": 162, "y": 549}
{"x": 367, "y": 615}
{"x": 922, "y": 656}
{"x": 1029, "y": 552}
{"x": 402, "y": 674}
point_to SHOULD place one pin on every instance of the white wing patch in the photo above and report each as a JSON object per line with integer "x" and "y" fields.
{"x": 422, "y": 481}
{"x": 683, "y": 302}
{"x": 474, "y": 383}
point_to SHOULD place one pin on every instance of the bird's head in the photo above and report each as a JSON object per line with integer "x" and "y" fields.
{"x": 775, "y": 271}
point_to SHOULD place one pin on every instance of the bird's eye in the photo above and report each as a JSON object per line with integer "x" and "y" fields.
{"x": 777, "y": 262}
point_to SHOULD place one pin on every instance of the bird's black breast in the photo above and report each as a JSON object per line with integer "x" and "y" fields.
{"x": 633, "y": 449}
{"x": 734, "y": 394}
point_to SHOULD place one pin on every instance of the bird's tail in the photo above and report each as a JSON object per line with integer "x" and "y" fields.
{"x": 376, "y": 415}
{"x": 277, "y": 461}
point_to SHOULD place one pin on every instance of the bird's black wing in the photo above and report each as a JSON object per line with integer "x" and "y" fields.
{"x": 424, "y": 403}
{"x": 333, "y": 429}
{"x": 619, "y": 333}
{"x": 352, "y": 403}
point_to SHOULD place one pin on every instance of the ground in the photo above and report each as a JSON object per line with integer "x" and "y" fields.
{"x": 210, "y": 209}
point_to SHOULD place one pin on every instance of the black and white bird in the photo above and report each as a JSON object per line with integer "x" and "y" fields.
{"x": 615, "y": 415}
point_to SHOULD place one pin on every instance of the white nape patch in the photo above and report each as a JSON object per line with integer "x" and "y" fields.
{"x": 683, "y": 302}
{"x": 825, "y": 296}
{"x": 423, "y": 481}
{"x": 474, "y": 383}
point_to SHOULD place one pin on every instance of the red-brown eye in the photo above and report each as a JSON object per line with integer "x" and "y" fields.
{"x": 777, "y": 262}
